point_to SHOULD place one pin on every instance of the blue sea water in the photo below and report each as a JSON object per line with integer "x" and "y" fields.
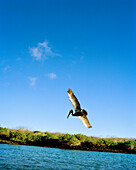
{"x": 32, "y": 157}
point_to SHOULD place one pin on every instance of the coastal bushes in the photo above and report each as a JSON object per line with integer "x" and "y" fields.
{"x": 70, "y": 140}
{"x": 67, "y": 141}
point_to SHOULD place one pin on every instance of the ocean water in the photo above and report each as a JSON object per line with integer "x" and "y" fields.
{"x": 32, "y": 157}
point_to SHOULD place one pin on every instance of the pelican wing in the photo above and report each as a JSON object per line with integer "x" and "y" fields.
{"x": 85, "y": 121}
{"x": 74, "y": 101}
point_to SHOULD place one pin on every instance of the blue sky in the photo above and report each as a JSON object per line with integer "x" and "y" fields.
{"x": 48, "y": 46}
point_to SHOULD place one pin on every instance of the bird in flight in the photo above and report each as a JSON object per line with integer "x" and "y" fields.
{"x": 81, "y": 113}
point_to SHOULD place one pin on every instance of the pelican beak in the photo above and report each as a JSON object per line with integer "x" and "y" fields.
{"x": 68, "y": 115}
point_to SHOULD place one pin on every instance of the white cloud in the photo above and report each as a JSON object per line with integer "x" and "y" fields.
{"x": 52, "y": 76}
{"x": 33, "y": 81}
{"x": 42, "y": 51}
{"x": 36, "y": 53}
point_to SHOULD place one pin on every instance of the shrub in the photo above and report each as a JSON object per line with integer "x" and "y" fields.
{"x": 29, "y": 136}
{"x": 73, "y": 141}
{"x": 51, "y": 136}
{"x": 130, "y": 145}
{"x": 70, "y": 140}
{"x": 81, "y": 137}
{"x": 17, "y": 136}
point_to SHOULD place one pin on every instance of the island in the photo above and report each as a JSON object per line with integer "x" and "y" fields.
{"x": 67, "y": 141}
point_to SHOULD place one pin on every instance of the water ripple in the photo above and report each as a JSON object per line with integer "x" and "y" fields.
{"x": 30, "y": 157}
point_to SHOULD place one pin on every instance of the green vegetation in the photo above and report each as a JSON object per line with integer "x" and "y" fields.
{"x": 67, "y": 141}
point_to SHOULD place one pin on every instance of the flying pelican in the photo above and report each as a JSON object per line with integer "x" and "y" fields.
{"x": 81, "y": 113}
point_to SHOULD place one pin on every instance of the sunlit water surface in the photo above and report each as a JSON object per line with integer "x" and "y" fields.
{"x": 31, "y": 157}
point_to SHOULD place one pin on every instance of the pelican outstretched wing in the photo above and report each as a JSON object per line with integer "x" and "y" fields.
{"x": 74, "y": 101}
{"x": 85, "y": 121}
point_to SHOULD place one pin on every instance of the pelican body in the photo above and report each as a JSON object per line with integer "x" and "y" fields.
{"x": 81, "y": 113}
